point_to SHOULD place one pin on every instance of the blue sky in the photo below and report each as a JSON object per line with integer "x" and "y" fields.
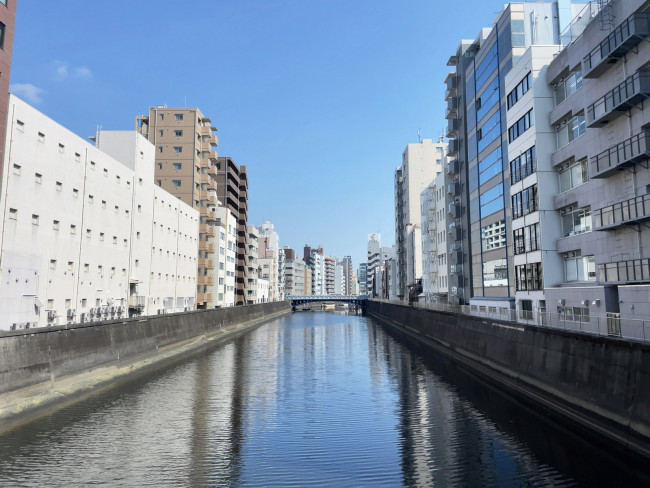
{"x": 317, "y": 98}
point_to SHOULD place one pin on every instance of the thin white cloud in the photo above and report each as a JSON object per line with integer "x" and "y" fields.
{"x": 30, "y": 93}
{"x": 62, "y": 72}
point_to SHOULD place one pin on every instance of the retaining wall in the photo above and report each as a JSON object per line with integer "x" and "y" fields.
{"x": 42, "y": 368}
{"x": 599, "y": 384}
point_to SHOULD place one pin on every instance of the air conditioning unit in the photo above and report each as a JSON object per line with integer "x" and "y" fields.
{"x": 91, "y": 311}
{"x": 98, "y": 311}
{"x": 567, "y": 210}
{"x": 70, "y": 313}
{"x": 585, "y": 303}
{"x": 84, "y": 318}
{"x": 112, "y": 310}
{"x": 51, "y": 314}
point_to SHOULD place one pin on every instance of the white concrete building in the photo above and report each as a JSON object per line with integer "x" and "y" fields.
{"x": 263, "y": 290}
{"x": 252, "y": 265}
{"x": 226, "y": 239}
{"x": 79, "y": 241}
{"x": 434, "y": 241}
{"x": 536, "y": 225}
{"x": 339, "y": 279}
{"x": 420, "y": 164}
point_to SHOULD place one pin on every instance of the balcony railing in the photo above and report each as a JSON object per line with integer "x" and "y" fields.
{"x": 137, "y": 301}
{"x": 628, "y": 212}
{"x": 627, "y": 35}
{"x": 634, "y": 89}
{"x": 452, "y": 108}
{"x": 452, "y": 147}
{"x": 627, "y": 153}
{"x": 453, "y": 167}
{"x": 631, "y": 271}
{"x": 452, "y": 128}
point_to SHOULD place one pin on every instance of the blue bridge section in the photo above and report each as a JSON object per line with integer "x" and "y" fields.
{"x": 358, "y": 300}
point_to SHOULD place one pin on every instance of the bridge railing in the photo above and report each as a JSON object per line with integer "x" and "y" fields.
{"x": 325, "y": 298}
{"x": 607, "y": 325}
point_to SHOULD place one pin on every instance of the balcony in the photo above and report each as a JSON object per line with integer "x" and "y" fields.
{"x": 627, "y": 35}
{"x": 453, "y": 167}
{"x": 623, "y": 155}
{"x": 204, "y": 297}
{"x": 452, "y": 108}
{"x": 453, "y": 147}
{"x": 455, "y": 231}
{"x": 205, "y": 280}
{"x": 631, "y": 271}
{"x": 137, "y": 302}
{"x": 207, "y": 246}
{"x": 204, "y": 179}
{"x": 206, "y": 263}
{"x": 454, "y": 210}
{"x": 212, "y": 200}
{"x": 456, "y": 280}
{"x": 455, "y": 257}
{"x": 209, "y": 215}
{"x": 632, "y": 91}
{"x": 452, "y": 85}
{"x": 207, "y": 230}
{"x": 452, "y": 128}
{"x": 620, "y": 214}
{"x": 453, "y": 188}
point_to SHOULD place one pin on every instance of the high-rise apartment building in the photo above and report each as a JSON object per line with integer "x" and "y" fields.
{"x": 252, "y": 271}
{"x": 232, "y": 188}
{"x": 315, "y": 260}
{"x": 186, "y": 167}
{"x": 362, "y": 278}
{"x": 269, "y": 256}
{"x": 479, "y": 213}
{"x": 348, "y": 273}
{"x": 434, "y": 240}
{"x": 420, "y": 164}
{"x": 330, "y": 275}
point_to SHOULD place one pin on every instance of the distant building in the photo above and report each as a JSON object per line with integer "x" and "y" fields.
{"x": 420, "y": 164}
{"x": 268, "y": 248}
{"x": 434, "y": 240}
{"x": 330, "y": 275}
{"x": 252, "y": 265}
{"x": 362, "y": 277}
{"x": 348, "y": 274}
{"x": 315, "y": 260}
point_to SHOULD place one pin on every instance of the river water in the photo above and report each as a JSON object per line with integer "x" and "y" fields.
{"x": 316, "y": 399}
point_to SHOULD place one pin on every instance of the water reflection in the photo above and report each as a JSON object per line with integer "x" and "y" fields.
{"x": 311, "y": 399}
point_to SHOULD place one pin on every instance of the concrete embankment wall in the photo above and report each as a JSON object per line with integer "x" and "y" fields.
{"x": 599, "y": 384}
{"x": 45, "y": 368}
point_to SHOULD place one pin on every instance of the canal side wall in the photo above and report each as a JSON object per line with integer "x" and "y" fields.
{"x": 599, "y": 384}
{"x": 46, "y": 368}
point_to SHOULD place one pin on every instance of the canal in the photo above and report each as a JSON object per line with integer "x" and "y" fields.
{"x": 310, "y": 399}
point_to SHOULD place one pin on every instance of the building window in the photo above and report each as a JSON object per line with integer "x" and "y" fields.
{"x": 178, "y": 116}
{"x": 75, "y": 193}
{"x": 41, "y": 137}
{"x": 93, "y": 165}
{"x": 524, "y": 202}
{"x": 55, "y": 224}
{"x": 73, "y": 229}
{"x": 101, "y": 236}
{"x": 52, "y": 263}
{"x": 115, "y": 240}
{"x": 61, "y": 148}
{"x": 570, "y": 131}
{"x": 567, "y": 86}
{"x": 35, "y": 219}
{"x": 103, "y": 203}
{"x": 17, "y": 169}
{"x": 515, "y": 95}
{"x": 2, "y": 33}
{"x": 573, "y": 314}
{"x": 523, "y": 166}
{"x": 528, "y": 277}
{"x": 38, "y": 178}
{"x": 89, "y": 233}
{"x": 77, "y": 157}
{"x": 20, "y": 125}
{"x": 575, "y": 221}
{"x": 574, "y": 175}
{"x": 493, "y": 236}
{"x": 527, "y": 239}
{"x": 178, "y": 133}
{"x": 579, "y": 268}
{"x": 178, "y": 166}
{"x": 521, "y": 126}
{"x": 178, "y": 149}
{"x": 176, "y": 183}
{"x": 59, "y": 186}
{"x": 86, "y": 268}
{"x": 105, "y": 173}
{"x": 161, "y": 132}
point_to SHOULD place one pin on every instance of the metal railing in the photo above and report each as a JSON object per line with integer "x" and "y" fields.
{"x": 603, "y": 325}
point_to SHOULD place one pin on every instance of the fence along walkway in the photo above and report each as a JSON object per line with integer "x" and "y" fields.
{"x": 610, "y": 325}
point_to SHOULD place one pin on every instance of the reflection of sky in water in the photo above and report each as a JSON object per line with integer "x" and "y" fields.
{"x": 311, "y": 399}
